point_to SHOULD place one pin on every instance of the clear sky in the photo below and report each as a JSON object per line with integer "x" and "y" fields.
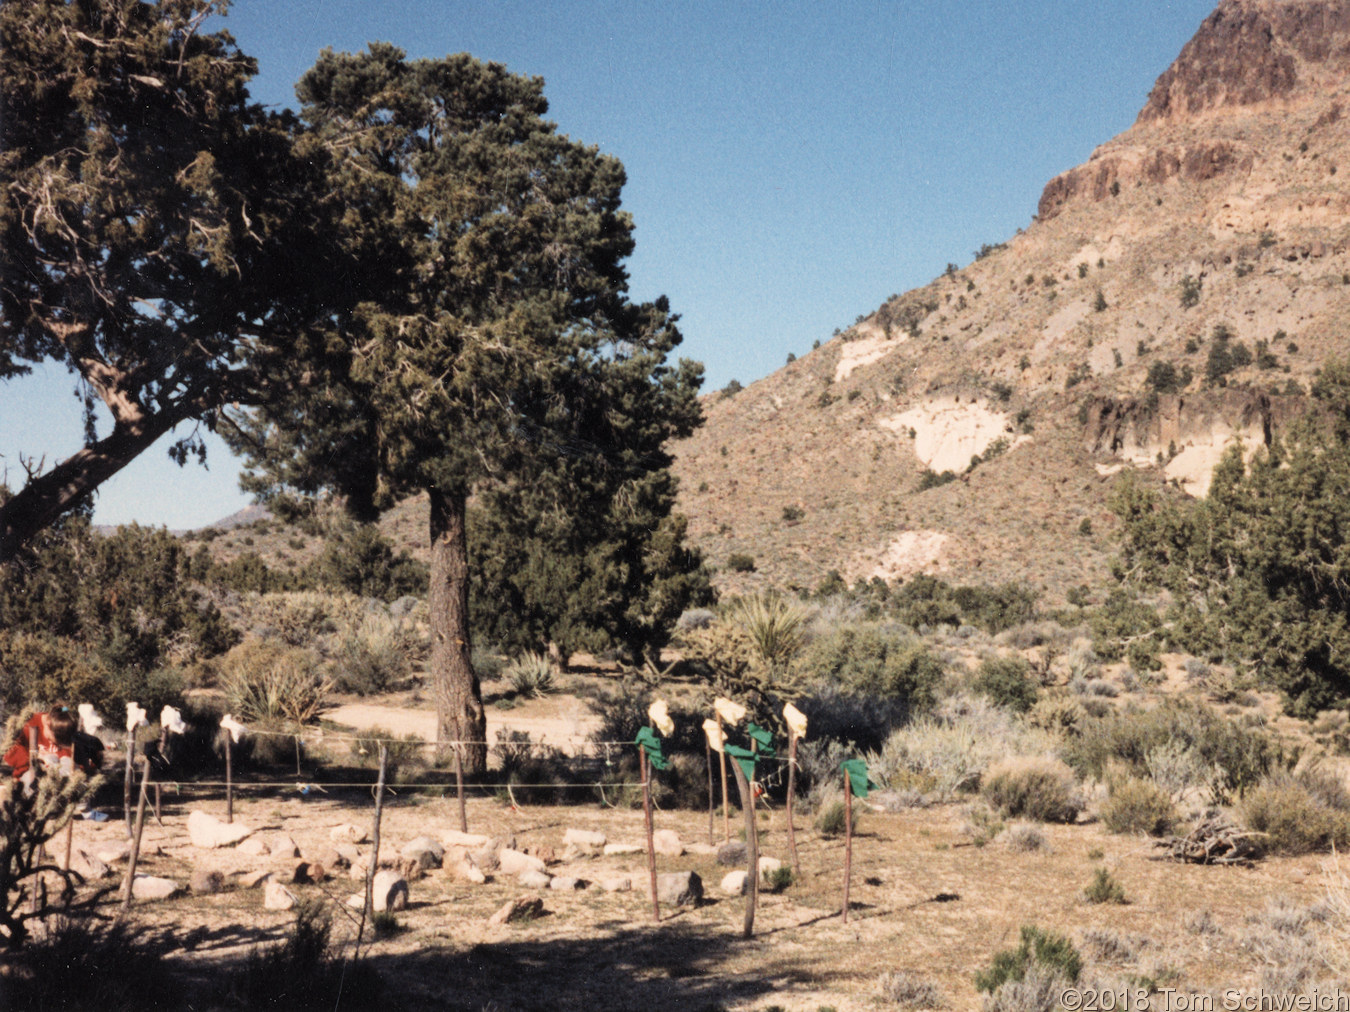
{"x": 790, "y": 163}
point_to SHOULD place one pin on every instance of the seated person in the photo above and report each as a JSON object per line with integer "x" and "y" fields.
{"x": 57, "y": 746}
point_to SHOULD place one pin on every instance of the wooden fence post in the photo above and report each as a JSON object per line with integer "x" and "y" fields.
{"x": 645, "y": 766}
{"x": 752, "y": 846}
{"x": 848, "y": 839}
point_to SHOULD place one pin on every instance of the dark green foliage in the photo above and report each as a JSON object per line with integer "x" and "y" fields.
{"x": 1165, "y": 378}
{"x": 158, "y": 234}
{"x": 360, "y": 559}
{"x": 1124, "y": 624}
{"x": 1099, "y": 303}
{"x": 1225, "y": 355}
{"x": 987, "y": 248}
{"x": 791, "y": 514}
{"x": 1298, "y": 814}
{"x": 932, "y": 479}
{"x": 1239, "y": 757}
{"x": 1007, "y": 682}
{"x": 876, "y": 661}
{"x": 732, "y": 388}
{"x": 1043, "y": 949}
{"x": 1189, "y": 291}
{"x": 91, "y": 963}
{"x": 302, "y": 973}
{"x": 740, "y": 563}
{"x": 1078, "y": 374}
{"x": 1136, "y": 805}
{"x": 1259, "y": 571}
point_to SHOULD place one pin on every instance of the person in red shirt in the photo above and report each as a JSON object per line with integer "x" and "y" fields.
{"x": 55, "y": 733}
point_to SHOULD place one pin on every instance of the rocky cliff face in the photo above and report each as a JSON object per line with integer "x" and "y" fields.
{"x": 1034, "y": 375}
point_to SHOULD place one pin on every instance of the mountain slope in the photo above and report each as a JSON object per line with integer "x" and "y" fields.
{"x": 1216, "y": 226}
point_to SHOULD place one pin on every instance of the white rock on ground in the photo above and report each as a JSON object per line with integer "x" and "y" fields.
{"x": 208, "y": 832}
{"x": 150, "y": 887}
{"x": 566, "y": 883}
{"x": 348, "y": 833}
{"x": 389, "y": 891}
{"x": 425, "y": 851}
{"x": 534, "y": 879}
{"x": 114, "y": 854}
{"x": 667, "y": 842}
{"x": 617, "y": 884}
{"x": 513, "y": 862}
{"x": 768, "y": 864}
{"x": 733, "y": 883}
{"x": 621, "y": 849}
{"x": 454, "y": 838}
{"x": 587, "y": 841}
{"x": 86, "y": 864}
{"x": 677, "y": 888}
{"x": 283, "y": 845}
{"x": 254, "y": 846}
{"x": 277, "y": 897}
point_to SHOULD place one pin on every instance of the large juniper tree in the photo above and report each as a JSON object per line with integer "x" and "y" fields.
{"x": 149, "y": 235}
{"x": 502, "y": 337}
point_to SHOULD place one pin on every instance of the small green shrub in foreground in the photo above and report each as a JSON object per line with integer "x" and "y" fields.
{"x": 831, "y": 820}
{"x": 1041, "y": 950}
{"x": 1006, "y": 681}
{"x": 1104, "y": 889}
{"x": 1136, "y": 805}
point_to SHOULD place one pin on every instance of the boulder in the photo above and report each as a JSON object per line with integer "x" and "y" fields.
{"x": 208, "y": 832}
{"x": 566, "y": 883}
{"x": 115, "y": 853}
{"x": 206, "y": 882}
{"x": 702, "y": 849}
{"x": 357, "y": 869}
{"x": 466, "y": 871}
{"x": 150, "y": 887}
{"x": 88, "y": 866}
{"x": 518, "y": 909}
{"x": 733, "y": 853}
{"x": 621, "y": 849}
{"x": 283, "y": 845}
{"x": 667, "y": 842}
{"x": 331, "y": 857}
{"x": 617, "y": 884}
{"x": 349, "y": 852}
{"x": 253, "y": 879}
{"x": 389, "y": 891}
{"x": 486, "y": 857}
{"x": 514, "y": 862}
{"x": 734, "y": 883}
{"x": 348, "y": 833}
{"x": 544, "y": 852}
{"x": 678, "y": 888}
{"x": 767, "y": 865}
{"x": 425, "y": 851}
{"x": 277, "y": 897}
{"x": 254, "y": 847}
{"x": 534, "y": 879}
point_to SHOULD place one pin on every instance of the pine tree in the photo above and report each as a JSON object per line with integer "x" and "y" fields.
{"x": 502, "y": 345}
{"x": 149, "y": 234}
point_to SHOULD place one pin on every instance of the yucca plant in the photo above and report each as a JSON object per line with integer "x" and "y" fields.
{"x": 531, "y": 675}
{"x": 776, "y": 625}
{"x": 267, "y": 682}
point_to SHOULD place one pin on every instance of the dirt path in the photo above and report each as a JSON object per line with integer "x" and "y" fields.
{"x": 561, "y": 721}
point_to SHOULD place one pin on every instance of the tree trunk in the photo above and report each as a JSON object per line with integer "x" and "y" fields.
{"x": 47, "y": 497}
{"x": 459, "y": 699}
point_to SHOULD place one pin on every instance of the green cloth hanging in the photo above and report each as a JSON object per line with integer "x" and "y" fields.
{"x": 648, "y": 741}
{"x": 745, "y": 757}
{"x": 858, "y": 779}
{"x": 762, "y": 737}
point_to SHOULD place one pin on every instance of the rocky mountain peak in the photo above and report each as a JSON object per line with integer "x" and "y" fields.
{"x": 1251, "y": 51}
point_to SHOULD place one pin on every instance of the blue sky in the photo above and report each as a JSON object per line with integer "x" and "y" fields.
{"x": 790, "y": 164}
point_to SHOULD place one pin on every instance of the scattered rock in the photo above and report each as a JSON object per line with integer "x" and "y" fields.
{"x": 149, "y": 887}
{"x": 347, "y": 833}
{"x": 283, "y": 845}
{"x": 486, "y": 857}
{"x": 427, "y": 851}
{"x": 331, "y": 857}
{"x": 454, "y": 838}
{"x": 208, "y": 832}
{"x": 389, "y": 891}
{"x": 732, "y": 853}
{"x": 467, "y": 871}
{"x": 254, "y": 847}
{"x": 305, "y": 872}
{"x": 114, "y": 854}
{"x": 255, "y": 878}
{"x": 349, "y": 852}
{"x": 617, "y": 884}
{"x": 768, "y": 864}
{"x": 277, "y": 897}
{"x": 513, "y": 862}
{"x": 667, "y": 842}
{"x": 519, "y": 909}
{"x": 411, "y": 869}
{"x": 534, "y": 879}
{"x": 734, "y": 883}
{"x": 678, "y": 888}
{"x": 621, "y": 849}
{"x": 566, "y": 883}
{"x": 544, "y": 852}
{"x": 206, "y": 882}
{"x": 88, "y": 866}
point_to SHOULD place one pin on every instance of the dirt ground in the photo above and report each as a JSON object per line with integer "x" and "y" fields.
{"x": 926, "y": 902}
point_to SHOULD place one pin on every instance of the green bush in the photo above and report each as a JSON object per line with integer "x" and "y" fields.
{"x": 531, "y": 675}
{"x": 374, "y": 656}
{"x": 832, "y": 819}
{"x": 1007, "y": 682}
{"x": 1041, "y": 950}
{"x": 1294, "y": 818}
{"x": 271, "y": 682}
{"x": 740, "y": 563}
{"x": 876, "y": 660}
{"x": 1104, "y": 888}
{"x": 1135, "y": 805}
{"x": 1034, "y": 788}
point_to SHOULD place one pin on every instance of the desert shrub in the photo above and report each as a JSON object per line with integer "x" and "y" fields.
{"x": 360, "y": 560}
{"x": 1058, "y": 715}
{"x": 1135, "y": 805}
{"x": 982, "y": 825}
{"x": 1164, "y": 377}
{"x": 87, "y": 962}
{"x": 1294, "y": 819}
{"x": 400, "y": 751}
{"x": 302, "y": 618}
{"x": 41, "y": 669}
{"x": 1033, "y": 788}
{"x": 778, "y": 879}
{"x": 539, "y": 774}
{"x": 738, "y": 562}
{"x": 695, "y": 618}
{"x": 1237, "y": 756}
{"x": 1104, "y": 888}
{"x": 531, "y": 675}
{"x": 1006, "y": 681}
{"x": 1111, "y": 946}
{"x": 776, "y": 625}
{"x": 909, "y": 992}
{"x": 859, "y": 719}
{"x": 1038, "y": 950}
{"x": 818, "y": 776}
{"x": 1189, "y": 291}
{"x": 832, "y": 819}
{"x": 1038, "y": 991}
{"x": 876, "y": 660}
{"x": 270, "y": 682}
{"x": 1025, "y": 838}
{"x": 300, "y": 972}
{"x": 375, "y": 655}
